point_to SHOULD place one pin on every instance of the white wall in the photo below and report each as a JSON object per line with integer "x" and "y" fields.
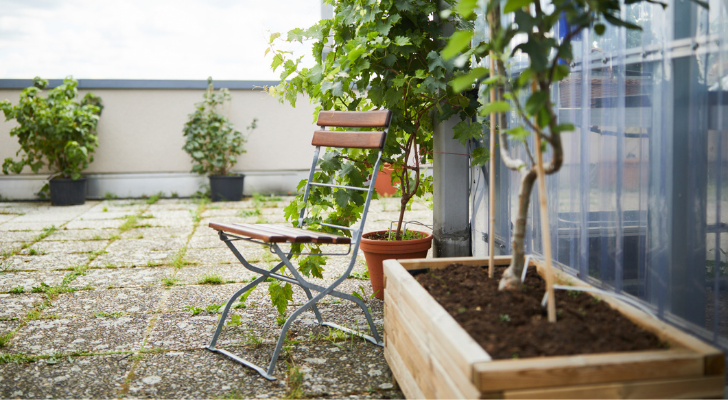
{"x": 140, "y": 140}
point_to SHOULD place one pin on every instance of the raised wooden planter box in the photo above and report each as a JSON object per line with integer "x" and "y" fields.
{"x": 431, "y": 355}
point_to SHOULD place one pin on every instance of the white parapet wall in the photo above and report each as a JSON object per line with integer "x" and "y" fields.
{"x": 140, "y": 139}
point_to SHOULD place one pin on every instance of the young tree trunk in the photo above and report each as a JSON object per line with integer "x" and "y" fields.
{"x": 512, "y": 276}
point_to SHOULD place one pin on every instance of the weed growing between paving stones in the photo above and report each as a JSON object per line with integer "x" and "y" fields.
{"x": 251, "y": 337}
{"x": 359, "y": 275}
{"x": 155, "y": 198}
{"x": 129, "y": 223}
{"x": 295, "y": 380}
{"x": 235, "y": 320}
{"x": 178, "y": 259}
{"x": 169, "y": 280}
{"x": 93, "y": 254}
{"x": 102, "y": 314}
{"x": 17, "y": 290}
{"x": 194, "y": 310}
{"x": 210, "y": 279}
{"x": 249, "y": 213}
{"x": 4, "y": 339}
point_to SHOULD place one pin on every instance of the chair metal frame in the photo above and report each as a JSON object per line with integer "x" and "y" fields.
{"x": 297, "y": 279}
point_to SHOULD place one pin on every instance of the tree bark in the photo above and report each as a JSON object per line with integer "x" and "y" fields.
{"x": 512, "y": 275}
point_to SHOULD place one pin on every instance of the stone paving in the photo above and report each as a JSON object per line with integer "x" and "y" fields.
{"x": 106, "y": 300}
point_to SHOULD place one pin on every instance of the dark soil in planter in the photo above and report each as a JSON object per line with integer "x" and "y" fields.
{"x": 385, "y": 236}
{"x": 512, "y": 324}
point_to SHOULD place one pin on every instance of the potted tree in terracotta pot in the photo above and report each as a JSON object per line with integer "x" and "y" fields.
{"x": 386, "y": 56}
{"x": 58, "y": 132}
{"x": 214, "y": 144}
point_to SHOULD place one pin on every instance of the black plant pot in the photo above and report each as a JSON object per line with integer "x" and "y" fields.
{"x": 226, "y": 187}
{"x": 67, "y": 192}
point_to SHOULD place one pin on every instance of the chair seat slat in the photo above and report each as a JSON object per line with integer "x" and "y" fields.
{"x": 251, "y": 233}
{"x": 358, "y": 140}
{"x": 279, "y": 234}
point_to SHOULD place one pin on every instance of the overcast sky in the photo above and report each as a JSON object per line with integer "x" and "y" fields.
{"x": 145, "y": 39}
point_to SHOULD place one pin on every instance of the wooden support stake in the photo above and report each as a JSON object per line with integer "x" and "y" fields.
{"x": 545, "y": 235}
{"x": 491, "y": 181}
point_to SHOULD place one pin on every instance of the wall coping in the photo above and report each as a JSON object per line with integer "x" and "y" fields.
{"x": 141, "y": 84}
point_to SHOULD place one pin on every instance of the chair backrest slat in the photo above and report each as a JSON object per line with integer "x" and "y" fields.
{"x": 360, "y": 140}
{"x": 354, "y": 119}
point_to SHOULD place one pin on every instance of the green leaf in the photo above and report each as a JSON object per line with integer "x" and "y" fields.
{"x": 536, "y": 102}
{"x": 518, "y": 133}
{"x": 560, "y": 72}
{"x": 466, "y": 81}
{"x": 465, "y": 130}
{"x": 277, "y": 60}
{"x": 479, "y": 156}
{"x": 465, "y": 7}
{"x": 599, "y": 29}
{"x": 280, "y": 295}
{"x": 565, "y": 128}
{"x": 513, "y": 5}
{"x": 457, "y": 43}
{"x": 495, "y": 107}
{"x": 402, "y": 41}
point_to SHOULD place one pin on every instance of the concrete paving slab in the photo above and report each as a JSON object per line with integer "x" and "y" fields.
{"x": 95, "y": 224}
{"x": 95, "y": 215}
{"x": 202, "y": 374}
{"x": 67, "y": 247}
{"x": 182, "y": 331}
{"x": 158, "y": 232}
{"x": 199, "y": 241}
{"x": 8, "y": 326}
{"x": 220, "y": 254}
{"x": 353, "y": 368}
{"x": 48, "y": 262}
{"x": 6, "y": 236}
{"x": 29, "y": 279}
{"x": 82, "y": 234}
{"x": 36, "y": 227}
{"x": 146, "y": 245}
{"x": 83, "y": 377}
{"x": 5, "y": 217}
{"x": 132, "y": 258}
{"x": 17, "y": 305}
{"x": 88, "y": 302}
{"x": 122, "y": 277}
{"x": 191, "y": 275}
{"x": 201, "y": 296}
{"x": 90, "y": 334}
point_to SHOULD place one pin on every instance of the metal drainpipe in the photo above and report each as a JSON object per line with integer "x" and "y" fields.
{"x": 450, "y": 186}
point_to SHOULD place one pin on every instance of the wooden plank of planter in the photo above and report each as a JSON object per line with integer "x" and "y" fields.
{"x": 410, "y": 347}
{"x": 402, "y": 375}
{"x": 464, "y": 350}
{"x": 448, "y": 379}
{"x": 690, "y": 388}
{"x": 713, "y": 359}
{"x": 545, "y": 372}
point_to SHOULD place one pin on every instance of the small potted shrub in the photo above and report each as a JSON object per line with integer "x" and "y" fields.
{"x": 214, "y": 144}
{"x": 56, "y": 131}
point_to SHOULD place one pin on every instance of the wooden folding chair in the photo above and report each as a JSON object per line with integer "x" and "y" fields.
{"x": 273, "y": 235}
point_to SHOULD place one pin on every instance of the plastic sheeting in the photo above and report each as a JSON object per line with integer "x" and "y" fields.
{"x": 640, "y": 206}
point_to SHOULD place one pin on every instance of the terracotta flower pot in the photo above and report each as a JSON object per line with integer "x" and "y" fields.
{"x": 376, "y": 251}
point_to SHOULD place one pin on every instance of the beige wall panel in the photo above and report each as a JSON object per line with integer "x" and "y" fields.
{"x": 141, "y": 131}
